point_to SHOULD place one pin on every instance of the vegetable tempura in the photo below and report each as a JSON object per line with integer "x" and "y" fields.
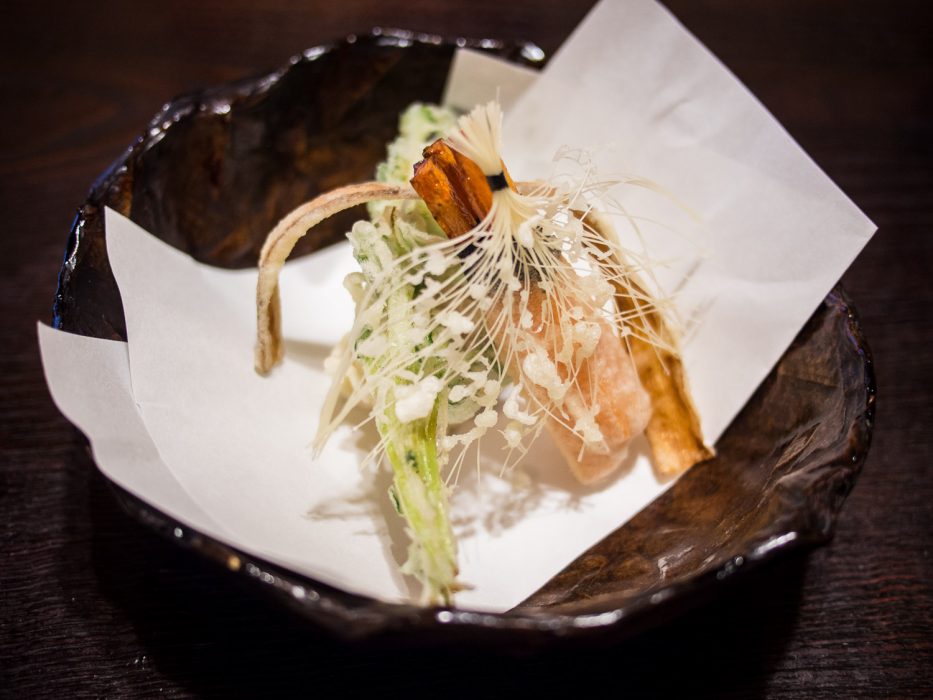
{"x": 484, "y": 304}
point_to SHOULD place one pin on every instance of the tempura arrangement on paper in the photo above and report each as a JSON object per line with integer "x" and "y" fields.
{"x": 484, "y": 304}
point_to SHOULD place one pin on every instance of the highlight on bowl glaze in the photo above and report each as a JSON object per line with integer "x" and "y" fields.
{"x": 216, "y": 169}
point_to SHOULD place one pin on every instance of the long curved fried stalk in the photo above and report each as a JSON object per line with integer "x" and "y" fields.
{"x": 279, "y": 245}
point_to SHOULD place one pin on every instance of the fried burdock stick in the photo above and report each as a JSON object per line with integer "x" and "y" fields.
{"x": 674, "y": 429}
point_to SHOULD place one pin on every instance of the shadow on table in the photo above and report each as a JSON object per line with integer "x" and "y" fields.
{"x": 213, "y": 635}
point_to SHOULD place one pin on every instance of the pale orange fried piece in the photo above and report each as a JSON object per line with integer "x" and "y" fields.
{"x": 607, "y": 379}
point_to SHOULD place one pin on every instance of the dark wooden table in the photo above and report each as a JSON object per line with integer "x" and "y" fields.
{"x": 93, "y": 604}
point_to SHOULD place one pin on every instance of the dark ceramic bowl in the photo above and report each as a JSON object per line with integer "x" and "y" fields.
{"x": 215, "y": 170}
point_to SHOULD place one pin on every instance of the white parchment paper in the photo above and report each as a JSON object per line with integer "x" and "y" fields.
{"x": 774, "y": 233}
{"x": 90, "y": 383}
{"x": 476, "y": 78}
{"x": 180, "y": 419}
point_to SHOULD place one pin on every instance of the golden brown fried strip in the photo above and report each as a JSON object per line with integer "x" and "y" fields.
{"x": 280, "y": 242}
{"x": 674, "y": 429}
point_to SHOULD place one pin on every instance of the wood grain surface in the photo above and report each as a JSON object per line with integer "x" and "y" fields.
{"x": 94, "y": 605}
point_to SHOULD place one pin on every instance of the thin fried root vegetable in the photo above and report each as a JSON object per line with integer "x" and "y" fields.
{"x": 459, "y": 197}
{"x": 674, "y": 429}
{"x": 279, "y": 245}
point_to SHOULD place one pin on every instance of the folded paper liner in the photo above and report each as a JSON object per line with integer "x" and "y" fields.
{"x": 180, "y": 419}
